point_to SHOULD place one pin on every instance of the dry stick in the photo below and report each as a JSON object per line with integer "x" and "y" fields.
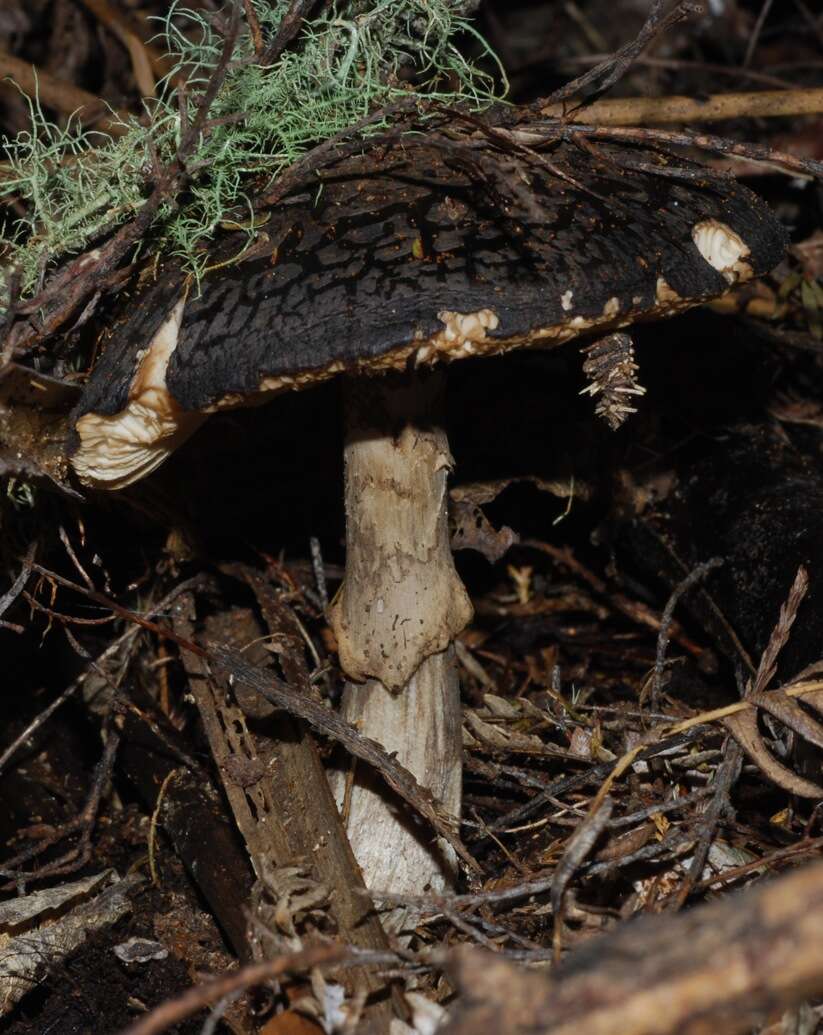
{"x": 288, "y": 817}
{"x": 674, "y": 844}
{"x": 289, "y": 26}
{"x": 632, "y": 609}
{"x": 610, "y": 71}
{"x": 678, "y": 65}
{"x": 635, "y": 111}
{"x": 63, "y": 96}
{"x": 808, "y": 846}
{"x": 16, "y": 588}
{"x": 577, "y": 848}
{"x": 691, "y": 580}
{"x": 540, "y": 135}
{"x": 816, "y": 25}
{"x": 706, "y": 142}
{"x": 254, "y": 28}
{"x": 565, "y": 784}
{"x": 727, "y": 774}
{"x": 319, "y": 570}
{"x": 84, "y": 822}
{"x": 345, "y": 142}
{"x": 758, "y": 28}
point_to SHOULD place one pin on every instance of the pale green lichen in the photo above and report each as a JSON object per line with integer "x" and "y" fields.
{"x": 76, "y": 185}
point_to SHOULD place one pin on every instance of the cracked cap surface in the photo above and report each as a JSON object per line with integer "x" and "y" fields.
{"x": 410, "y": 256}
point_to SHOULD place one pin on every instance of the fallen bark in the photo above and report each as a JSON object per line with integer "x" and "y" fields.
{"x": 276, "y": 785}
{"x": 717, "y": 970}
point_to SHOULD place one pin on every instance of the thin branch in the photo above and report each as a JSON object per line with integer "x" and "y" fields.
{"x": 610, "y": 71}
{"x": 758, "y": 28}
{"x": 692, "y": 579}
{"x": 16, "y": 588}
{"x": 637, "y": 111}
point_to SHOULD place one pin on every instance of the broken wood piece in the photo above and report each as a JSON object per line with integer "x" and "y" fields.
{"x": 39, "y": 930}
{"x": 276, "y": 785}
{"x": 717, "y": 969}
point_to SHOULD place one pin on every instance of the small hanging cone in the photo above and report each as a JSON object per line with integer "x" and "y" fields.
{"x": 399, "y": 609}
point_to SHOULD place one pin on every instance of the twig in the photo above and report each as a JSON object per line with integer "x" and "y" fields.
{"x": 155, "y": 816}
{"x": 83, "y": 823}
{"x": 141, "y": 54}
{"x": 610, "y": 71}
{"x": 636, "y": 111}
{"x": 16, "y": 588}
{"x": 347, "y": 141}
{"x": 577, "y": 848}
{"x": 319, "y": 571}
{"x": 727, "y": 775}
{"x": 63, "y": 618}
{"x": 437, "y": 903}
{"x": 632, "y": 609}
{"x": 808, "y": 846}
{"x": 691, "y": 580}
{"x": 814, "y": 24}
{"x": 254, "y": 28}
{"x": 286, "y": 31}
{"x": 189, "y": 139}
{"x": 537, "y": 135}
{"x": 758, "y": 28}
{"x": 64, "y": 539}
{"x": 674, "y": 844}
{"x": 595, "y": 774}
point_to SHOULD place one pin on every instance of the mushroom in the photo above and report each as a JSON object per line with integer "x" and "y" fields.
{"x": 380, "y": 268}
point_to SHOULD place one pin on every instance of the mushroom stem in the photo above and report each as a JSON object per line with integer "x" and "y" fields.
{"x": 395, "y": 617}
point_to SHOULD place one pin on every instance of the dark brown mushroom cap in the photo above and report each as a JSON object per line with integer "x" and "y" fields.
{"x": 418, "y": 254}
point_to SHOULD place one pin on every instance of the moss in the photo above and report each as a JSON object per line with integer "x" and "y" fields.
{"x": 77, "y": 185}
